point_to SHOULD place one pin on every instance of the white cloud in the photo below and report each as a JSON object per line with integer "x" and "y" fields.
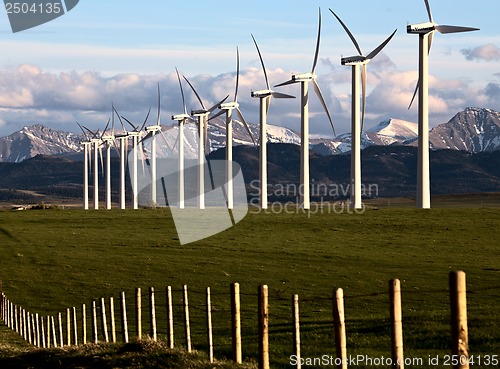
{"x": 488, "y": 52}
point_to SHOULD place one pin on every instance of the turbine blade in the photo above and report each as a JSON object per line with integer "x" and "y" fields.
{"x": 316, "y": 54}
{"x": 217, "y": 105}
{"x": 143, "y": 156}
{"x": 279, "y": 95}
{"x": 351, "y": 36}
{"x": 237, "y": 74}
{"x": 363, "y": 91}
{"x": 166, "y": 141}
{"x": 205, "y": 134}
{"x": 145, "y": 120}
{"x": 381, "y": 46}
{"x": 196, "y": 93}
{"x": 268, "y": 104}
{"x": 454, "y": 29}
{"x": 182, "y": 91}
{"x": 134, "y": 128}
{"x": 84, "y": 133}
{"x": 238, "y": 111}
{"x": 290, "y": 82}
{"x": 414, "y": 94}
{"x": 120, "y": 119}
{"x": 261, "y": 62}
{"x": 217, "y": 115}
{"x": 159, "y": 107}
{"x": 102, "y": 160}
{"x": 431, "y": 39}
{"x": 429, "y": 10}
{"x": 105, "y": 128}
{"x": 320, "y": 96}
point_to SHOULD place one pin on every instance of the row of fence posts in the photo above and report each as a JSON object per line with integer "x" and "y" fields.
{"x": 44, "y": 333}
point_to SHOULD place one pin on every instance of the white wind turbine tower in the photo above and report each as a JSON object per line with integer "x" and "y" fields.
{"x": 152, "y": 130}
{"x": 87, "y": 146}
{"x": 135, "y": 134}
{"x": 202, "y": 115}
{"x": 425, "y": 31}
{"x": 123, "y": 138}
{"x": 181, "y": 120}
{"x": 96, "y": 141}
{"x": 108, "y": 139}
{"x": 304, "y": 80}
{"x": 228, "y": 108}
{"x": 265, "y": 100}
{"x": 357, "y": 62}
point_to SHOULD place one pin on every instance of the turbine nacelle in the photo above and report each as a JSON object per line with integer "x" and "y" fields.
{"x": 261, "y": 93}
{"x": 229, "y": 106}
{"x": 108, "y": 138}
{"x": 353, "y": 60}
{"x": 304, "y": 77}
{"x": 155, "y": 128}
{"x": 199, "y": 112}
{"x": 180, "y": 117}
{"x": 421, "y": 28}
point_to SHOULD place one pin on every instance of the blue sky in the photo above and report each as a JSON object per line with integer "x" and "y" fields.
{"x": 102, "y": 51}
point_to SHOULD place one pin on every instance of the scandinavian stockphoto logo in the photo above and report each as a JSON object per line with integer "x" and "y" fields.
{"x": 27, "y": 14}
{"x": 198, "y": 211}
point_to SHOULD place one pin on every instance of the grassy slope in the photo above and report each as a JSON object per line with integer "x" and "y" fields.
{"x": 52, "y": 260}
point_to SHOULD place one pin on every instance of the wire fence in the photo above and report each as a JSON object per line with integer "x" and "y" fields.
{"x": 224, "y": 323}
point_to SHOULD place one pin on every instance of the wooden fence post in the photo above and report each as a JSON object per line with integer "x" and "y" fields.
{"x": 75, "y": 327}
{"x": 296, "y": 329}
{"x": 152, "y": 313}
{"x": 104, "y": 322}
{"x": 42, "y": 332}
{"x": 16, "y": 322}
{"x": 459, "y": 329}
{"x": 68, "y": 326}
{"x": 37, "y": 330}
{"x": 138, "y": 313}
{"x": 186, "y": 318}
{"x": 84, "y": 324}
{"x": 25, "y": 328}
{"x": 28, "y": 318}
{"x": 61, "y": 337}
{"x": 396, "y": 324}
{"x": 236, "y": 322}
{"x": 263, "y": 327}
{"x": 123, "y": 313}
{"x": 94, "y": 321}
{"x": 170, "y": 314}
{"x": 210, "y": 340}
{"x": 54, "y": 335}
{"x": 49, "y": 343}
{"x": 112, "y": 318}
{"x": 340, "y": 333}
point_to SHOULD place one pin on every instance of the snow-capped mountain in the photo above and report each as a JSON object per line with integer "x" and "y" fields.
{"x": 474, "y": 130}
{"x": 392, "y": 131}
{"x": 38, "y": 139}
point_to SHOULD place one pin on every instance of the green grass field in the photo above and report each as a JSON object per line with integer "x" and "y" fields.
{"x": 54, "y": 259}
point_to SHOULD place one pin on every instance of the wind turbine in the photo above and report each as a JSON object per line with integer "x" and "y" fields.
{"x": 202, "y": 115}
{"x": 152, "y": 130}
{"x": 228, "y": 108}
{"x": 135, "y": 134}
{"x": 181, "y": 120}
{"x": 96, "y": 141}
{"x": 426, "y": 31}
{"x": 108, "y": 140}
{"x": 358, "y": 62}
{"x": 87, "y": 146}
{"x": 265, "y": 100}
{"x": 123, "y": 138}
{"x": 304, "y": 80}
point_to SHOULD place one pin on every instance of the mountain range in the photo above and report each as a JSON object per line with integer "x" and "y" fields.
{"x": 473, "y": 130}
